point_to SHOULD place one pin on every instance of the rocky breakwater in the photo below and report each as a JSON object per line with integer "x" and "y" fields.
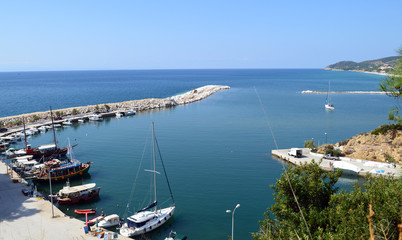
{"x": 137, "y": 105}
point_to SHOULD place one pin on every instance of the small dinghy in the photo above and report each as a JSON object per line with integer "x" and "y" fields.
{"x": 96, "y": 219}
{"x": 85, "y": 211}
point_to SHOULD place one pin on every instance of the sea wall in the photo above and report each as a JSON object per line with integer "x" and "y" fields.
{"x": 137, "y": 105}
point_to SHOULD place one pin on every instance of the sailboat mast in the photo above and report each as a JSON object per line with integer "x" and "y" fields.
{"x": 25, "y": 135}
{"x": 153, "y": 145}
{"x": 54, "y": 133}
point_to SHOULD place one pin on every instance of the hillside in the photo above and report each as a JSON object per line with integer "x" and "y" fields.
{"x": 378, "y": 145}
{"x": 382, "y": 65}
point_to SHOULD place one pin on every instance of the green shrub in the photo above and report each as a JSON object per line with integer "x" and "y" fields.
{"x": 387, "y": 127}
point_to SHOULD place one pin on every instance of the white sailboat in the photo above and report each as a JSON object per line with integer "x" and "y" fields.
{"x": 146, "y": 220}
{"x": 328, "y": 105}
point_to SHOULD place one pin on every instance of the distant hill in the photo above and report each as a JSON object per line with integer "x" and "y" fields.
{"x": 382, "y": 65}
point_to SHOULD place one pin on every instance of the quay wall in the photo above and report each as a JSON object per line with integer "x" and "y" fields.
{"x": 137, "y": 105}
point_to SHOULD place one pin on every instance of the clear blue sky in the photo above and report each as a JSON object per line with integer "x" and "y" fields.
{"x": 145, "y": 34}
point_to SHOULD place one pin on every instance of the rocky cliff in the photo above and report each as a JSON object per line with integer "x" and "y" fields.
{"x": 381, "y": 147}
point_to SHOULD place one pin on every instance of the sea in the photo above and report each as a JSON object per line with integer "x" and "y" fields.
{"x": 216, "y": 152}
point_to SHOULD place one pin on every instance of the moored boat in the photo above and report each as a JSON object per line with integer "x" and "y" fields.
{"x": 84, "y": 211}
{"x": 70, "y": 170}
{"x": 109, "y": 221}
{"x": 72, "y": 195}
{"x": 146, "y": 220}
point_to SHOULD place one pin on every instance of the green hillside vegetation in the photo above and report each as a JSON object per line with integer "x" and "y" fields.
{"x": 309, "y": 205}
{"x": 383, "y": 65}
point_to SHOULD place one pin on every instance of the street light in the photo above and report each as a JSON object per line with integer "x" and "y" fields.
{"x": 228, "y": 211}
{"x": 325, "y": 138}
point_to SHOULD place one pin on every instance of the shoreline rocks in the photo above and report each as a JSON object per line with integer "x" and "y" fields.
{"x": 137, "y": 105}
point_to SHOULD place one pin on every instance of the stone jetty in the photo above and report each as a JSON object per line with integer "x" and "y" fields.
{"x": 137, "y": 105}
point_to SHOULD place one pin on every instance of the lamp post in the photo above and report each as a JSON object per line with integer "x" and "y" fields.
{"x": 228, "y": 211}
{"x": 325, "y": 138}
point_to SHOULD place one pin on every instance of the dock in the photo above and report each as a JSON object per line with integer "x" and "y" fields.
{"x": 350, "y": 166}
{"x": 24, "y": 217}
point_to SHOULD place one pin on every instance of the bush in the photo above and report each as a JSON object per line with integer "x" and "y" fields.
{"x": 309, "y": 144}
{"x": 74, "y": 112}
{"x": 383, "y": 129}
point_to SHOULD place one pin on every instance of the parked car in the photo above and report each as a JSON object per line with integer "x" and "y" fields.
{"x": 330, "y": 157}
{"x": 3, "y": 130}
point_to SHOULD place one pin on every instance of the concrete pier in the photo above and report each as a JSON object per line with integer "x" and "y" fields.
{"x": 363, "y": 167}
{"x": 23, "y": 217}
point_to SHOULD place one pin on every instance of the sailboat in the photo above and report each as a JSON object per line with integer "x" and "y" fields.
{"x": 146, "y": 220}
{"x": 328, "y": 105}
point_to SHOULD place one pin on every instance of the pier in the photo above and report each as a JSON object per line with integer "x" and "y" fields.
{"x": 350, "y": 166}
{"x": 121, "y": 107}
{"x": 24, "y": 217}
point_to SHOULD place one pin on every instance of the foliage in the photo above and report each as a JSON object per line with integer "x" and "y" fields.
{"x": 370, "y": 65}
{"x": 309, "y": 144}
{"x": 97, "y": 108}
{"x": 59, "y": 113}
{"x": 328, "y": 213}
{"x": 74, "y": 112}
{"x": 2, "y": 124}
{"x": 383, "y": 129}
{"x": 334, "y": 152}
{"x": 107, "y": 107}
{"x": 392, "y": 86}
{"x": 35, "y": 118}
{"x": 313, "y": 188}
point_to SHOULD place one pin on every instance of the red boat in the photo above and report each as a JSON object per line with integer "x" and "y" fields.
{"x": 76, "y": 194}
{"x": 85, "y": 211}
{"x": 97, "y": 218}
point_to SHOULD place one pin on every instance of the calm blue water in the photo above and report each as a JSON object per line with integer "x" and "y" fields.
{"x": 217, "y": 151}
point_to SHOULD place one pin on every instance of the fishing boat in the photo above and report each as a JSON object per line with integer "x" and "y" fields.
{"x": 328, "y": 105}
{"x": 72, "y": 169}
{"x": 144, "y": 220}
{"x": 109, "y": 221}
{"x": 72, "y": 195}
{"x": 84, "y": 211}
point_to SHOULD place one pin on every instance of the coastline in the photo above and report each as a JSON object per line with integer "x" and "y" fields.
{"x": 137, "y": 105}
{"x": 341, "y": 70}
{"x": 350, "y": 92}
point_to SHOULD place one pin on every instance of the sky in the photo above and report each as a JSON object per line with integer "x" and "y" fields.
{"x": 184, "y": 34}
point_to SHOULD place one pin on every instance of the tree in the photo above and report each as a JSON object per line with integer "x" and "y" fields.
{"x": 313, "y": 188}
{"x": 330, "y": 214}
{"x": 107, "y": 107}
{"x": 74, "y": 112}
{"x": 309, "y": 144}
{"x": 392, "y": 86}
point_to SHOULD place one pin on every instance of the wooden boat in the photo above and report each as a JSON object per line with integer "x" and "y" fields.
{"x": 84, "y": 211}
{"x": 65, "y": 171}
{"x": 72, "y": 195}
{"x": 144, "y": 220}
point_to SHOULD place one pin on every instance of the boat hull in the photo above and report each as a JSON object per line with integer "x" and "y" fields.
{"x": 163, "y": 215}
{"x": 63, "y": 178}
{"x": 68, "y": 201}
